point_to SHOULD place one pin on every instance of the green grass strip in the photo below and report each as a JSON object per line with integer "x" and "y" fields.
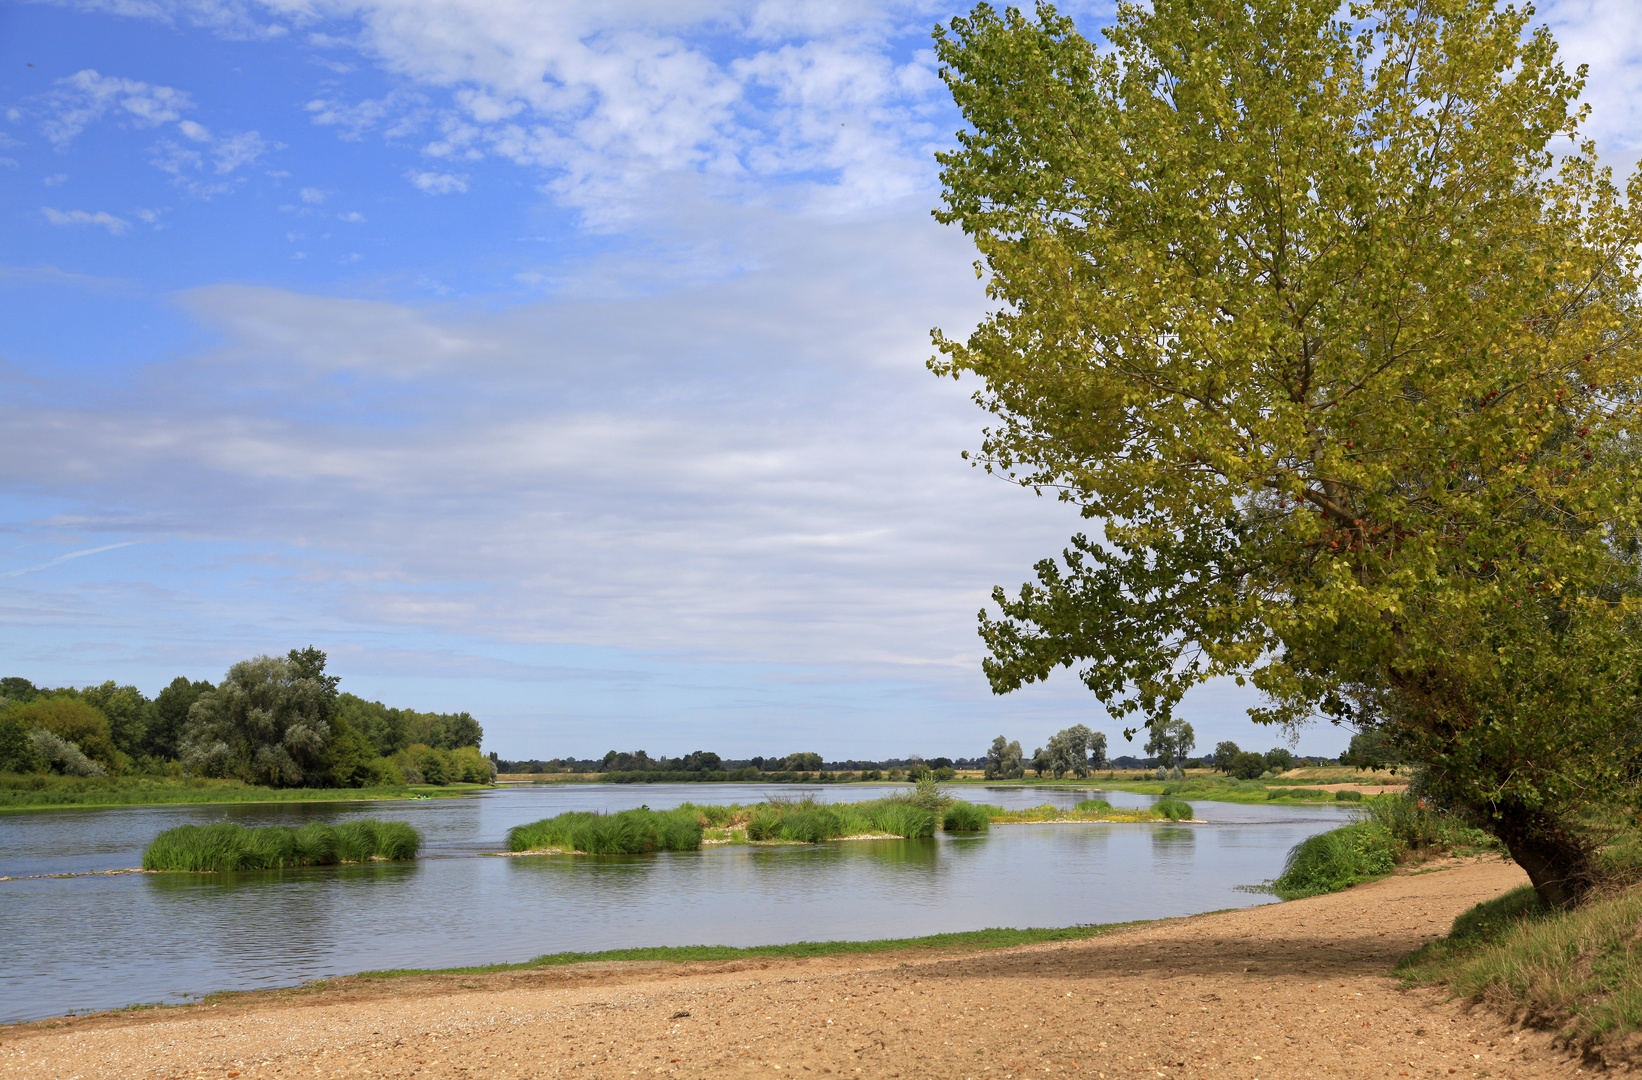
{"x": 994, "y": 938}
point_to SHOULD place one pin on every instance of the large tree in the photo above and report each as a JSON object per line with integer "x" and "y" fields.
{"x": 269, "y": 722}
{"x": 1329, "y": 323}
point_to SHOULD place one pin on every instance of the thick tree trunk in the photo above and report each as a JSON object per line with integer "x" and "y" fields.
{"x": 1560, "y": 863}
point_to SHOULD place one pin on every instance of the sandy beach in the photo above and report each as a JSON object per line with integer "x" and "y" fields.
{"x": 1283, "y": 990}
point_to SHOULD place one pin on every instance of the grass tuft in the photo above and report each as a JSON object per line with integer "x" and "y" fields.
{"x": 226, "y": 846}
{"x": 1335, "y": 860}
{"x": 630, "y": 832}
{"x": 966, "y": 817}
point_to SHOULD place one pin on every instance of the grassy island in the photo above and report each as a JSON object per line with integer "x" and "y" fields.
{"x": 226, "y": 846}
{"x": 908, "y": 815}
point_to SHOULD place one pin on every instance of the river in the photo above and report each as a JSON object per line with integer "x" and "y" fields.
{"x": 82, "y": 943}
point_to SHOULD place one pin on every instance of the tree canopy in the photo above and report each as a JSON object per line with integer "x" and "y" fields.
{"x": 1330, "y": 323}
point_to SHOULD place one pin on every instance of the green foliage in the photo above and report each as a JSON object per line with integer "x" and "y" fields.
{"x": 1346, "y": 362}
{"x": 630, "y": 832}
{"x": 966, "y": 817}
{"x": 1246, "y": 766}
{"x": 168, "y": 715}
{"x": 389, "y": 731}
{"x": 268, "y": 722}
{"x": 72, "y": 720}
{"x": 1004, "y": 760}
{"x": 1093, "y": 806}
{"x": 1224, "y": 752}
{"x": 1173, "y": 809}
{"x": 36, "y": 791}
{"x": 1577, "y": 972}
{"x": 1296, "y": 793}
{"x": 226, "y": 846}
{"x": 1335, "y": 860}
{"x": 1347, "y": 795}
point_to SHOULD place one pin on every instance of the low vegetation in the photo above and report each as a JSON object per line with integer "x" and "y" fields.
{"x": 630, "y": 832}
{"x": 226, "y": 846}
{"x": 1392, "y": 830}
{"x": 1093, "y": 810}
{"x": 39, "y": 791}
{"x": 1578, "y": 973}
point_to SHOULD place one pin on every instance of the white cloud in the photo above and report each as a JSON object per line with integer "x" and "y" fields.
{"x": 243, "y": 148}
{"x": 114, "y": 225}
{"x": 353, "y": 217}
{"x": 437, "y": 183}
{"x": 86, "y": 96}
{"x": 55, "y": 180}
{"x": 312, "y": 195}
{"x": 197, "y": 132}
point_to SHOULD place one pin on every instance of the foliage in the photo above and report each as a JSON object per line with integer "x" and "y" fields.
{"x": 1347, "y": 795}
{"x": 1576, "y": 972}
{"x": 268, "y": 722}
{"x": 1173, "y": 809}
{"x": 1246, "y": 766}
{"x": 1070, "y": 751}
{"x": 630, "y": 832}
{"x": 1335, "y": 860}
{"x": 966, "y": 817}
{"x": 169, "y": 714}
{"x": 63, "y": 756}
{"x": 41, "y": 791}
{"x": 421, "y": 764}
{"x": 1223, "y": 754}
{"x": 389, "y": 730}
{"x": 1092, "y": 806}
{"x": 1004, "y": 760}
{"x": 72, "y": 721}
{"x": 1309, "y": 313}
{"x": 226, "y": 846}
{"x": 1170, "y": 740}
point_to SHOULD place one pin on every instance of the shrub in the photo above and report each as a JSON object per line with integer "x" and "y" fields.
{"x": 73, "y": 721}
{"x": 902, "y": 819}
{"x": 227, "y": 846}
{"x": 1296, "y": 793}
{"x": 1335, "y": 860}
{"x": 1173, "y": 809}
{"x": 1246, "y": 766}
{"x": 1093, "y": 806}
{"x": 64, "y": 756}
{"x": 1345, "y": 795}
{"x": 966, "y": 817}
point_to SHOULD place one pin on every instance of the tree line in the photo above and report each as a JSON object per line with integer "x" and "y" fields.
{"x": 275, "y": 721}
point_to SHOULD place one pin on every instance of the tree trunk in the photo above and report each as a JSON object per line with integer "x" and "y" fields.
{"x": 1560, "y": 862}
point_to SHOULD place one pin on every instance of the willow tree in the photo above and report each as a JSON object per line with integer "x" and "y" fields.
{"x": 1329, "y": 323}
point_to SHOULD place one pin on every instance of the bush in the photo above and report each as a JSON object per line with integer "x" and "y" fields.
{"x": 1173, "y": 809}
{"x": 73, "y": 721}
{"x": 1335, "y": 860}
{"x": 1344, "y": 795}
{"x": 227, "y": 846}
{"x": 1296, "y": 793}
{"x": 1093, "y": 806}
{"x": 1246, "y": 766}
{"x": 630, "y": 832}
{"x": 966, "y": 817}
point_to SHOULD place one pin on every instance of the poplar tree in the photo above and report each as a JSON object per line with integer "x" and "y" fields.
{"x": 1329, "y": 322}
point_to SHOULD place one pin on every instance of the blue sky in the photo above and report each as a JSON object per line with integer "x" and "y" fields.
{"x": 558, "y": 362}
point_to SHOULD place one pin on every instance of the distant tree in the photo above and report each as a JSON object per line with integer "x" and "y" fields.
{"x": 168, "y": 714}
{"x": 18, "y": 689}
{"x": 1371, "y": 749}
{"x": 1040, "y": 761}
{"x": 1004, "y": 760}
{"x": 803, "y": 762}
{"x": 127, "y": 710}
{"x": 1223, "y": 754}
{"x": 74, "y": 721}
{"x": 1170, "y": 740}
{"x": 1279, "y": 759}
{"x": 268, "y": 722}
{"x": 1069, "y": 751}
{"x": 1246, "y": 766}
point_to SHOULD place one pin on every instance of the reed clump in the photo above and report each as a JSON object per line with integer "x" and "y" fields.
{"x": 629, "y": 832}
{"x": 226, "y": 846}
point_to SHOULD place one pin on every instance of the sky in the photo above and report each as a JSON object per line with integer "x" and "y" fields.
{"x": 562, "y": 363}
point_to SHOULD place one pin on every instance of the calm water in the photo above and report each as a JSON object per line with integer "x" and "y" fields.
{"x": 73, "y": 944}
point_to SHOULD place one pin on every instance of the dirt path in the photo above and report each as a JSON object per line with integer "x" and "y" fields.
{"x": 1281, "y": 991}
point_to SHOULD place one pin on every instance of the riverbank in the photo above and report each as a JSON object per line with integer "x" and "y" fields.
{"x": 1297, "y": 989}
{"x": 26, "y": 793}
